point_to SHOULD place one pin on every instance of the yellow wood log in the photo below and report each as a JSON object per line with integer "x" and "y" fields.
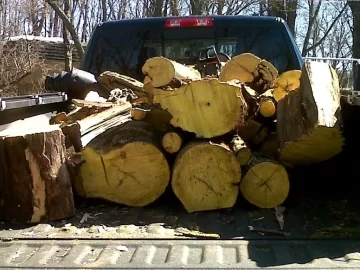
{"x": 308, "y": 120}
{"x": 162, "y": 71}
{"x": 267, "y": 104}
{"x": 208, "y": 108}
{"x": 286, "y": 82}
{"x": 240, "y": 149}
{"x": 206, "y": 176}
{"x": 172, "y": 142}
{"x": 125, "y": 165}
{"x": 265, "y": 183}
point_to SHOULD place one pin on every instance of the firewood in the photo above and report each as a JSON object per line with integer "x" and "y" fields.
{"x": 286, "y": 82}
{"x": 159, "y": 118}
{"x": 265, "y": 183}
{"x": 138, "y": 113}
{"x": 308, "y": 119}
{"x": 35, "y": 182}
{"x": 111, "y": 80}
{"x": 240, "y": 149}
{"x": 162, "y": 71}
{"x": 208, "y": 108}
{"x": 206, "y": 176}
{"x": 269, "y": 147}
{"x": 125, "y": 165}
{"x": 172, "y": 142}
{"x": 267, "y": 104}
{"x": 253, "y": 132}
{"x": 248, "y": 68}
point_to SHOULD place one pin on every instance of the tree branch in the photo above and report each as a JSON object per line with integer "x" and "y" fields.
{"x": 68, "y": 26}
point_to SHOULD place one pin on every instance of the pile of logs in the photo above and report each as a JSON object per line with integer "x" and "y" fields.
{"x": 210, "y": 139}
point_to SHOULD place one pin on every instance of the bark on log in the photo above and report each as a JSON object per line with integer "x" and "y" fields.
{"x": 269, "y": 147}
{"x": 125, "y": 165}
{"x": 112, "y": 80}
{"x": 308, "y": 120}
{"x": 265, "y": 183}
{"x": 207, "y": 108}
{"x": 206, "y": 176}
{"x": 162, "y": 71}
{"x": 172, "y": 142}
{"x": 241, "y": 151}
{"x": 267, "y": 104}
{"x": 35, "y": 182}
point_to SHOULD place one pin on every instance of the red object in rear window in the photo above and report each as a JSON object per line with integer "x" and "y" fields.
{"x": 189, "y": 22}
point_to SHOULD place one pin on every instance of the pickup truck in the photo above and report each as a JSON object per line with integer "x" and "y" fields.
{"x": 321, "y": 221}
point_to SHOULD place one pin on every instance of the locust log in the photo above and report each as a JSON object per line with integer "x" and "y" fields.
{"x": 163, "y": 71}
{"x": 253, "y": 132}
{"x": 269, "y": 147}
{"x": 285, "y": 83}
{"x": 265, "y": 183}
{"x": 267, "y": 104}
{"x": 208, "y": 108}
{"x": 206, "y": 176}
{"x": 308, "y": 120}
{"x": 240, "y": 149}
{"x": 35, "y": 182}
{"x": 125, "y": 164}
{"x": 172, "y": 142}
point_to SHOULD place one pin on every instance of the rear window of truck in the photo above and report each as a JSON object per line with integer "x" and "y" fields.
{"x": 127, "y": 50}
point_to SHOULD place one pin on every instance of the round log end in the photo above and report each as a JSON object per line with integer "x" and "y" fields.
{"x": 265, "y": 185}
{"x": 286, "y": 82}
{"x": 267, "y": 108}
{"x": 160, "y": 70}
{"x": 243, "y": 156}
{"x": 206, "y": 177}
{"x": 171, "y": 142}
{"x": 137, "y": 114}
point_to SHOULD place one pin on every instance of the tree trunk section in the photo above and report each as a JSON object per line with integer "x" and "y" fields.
{"x": 125, "y": 165}
{"x": 162, "y": 71}
{"x": 265, "y": 183}
{"x": 172, "y": 142}
{"x": 269, "y": 147}
{"x": 253, "y": 132}
{"x": 36, "y": 185}
{"x": 267, "y": 104}
{"x": 207, "y": 108}
{"x": 242, "y": 152}
{"x": 308, "y": 120}
{"x": 206, "y": 177}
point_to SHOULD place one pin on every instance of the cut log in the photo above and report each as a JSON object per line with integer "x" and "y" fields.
{"x": 267, "y": 104}
{"x": 269, "y": 147}
{"x": 162, "y": 71}
{"x": 207, "y": 108}
{"x": 286, "y": 82}
{"x": 265, "y": 183}
{"x": 308, "y": 120}
{"x": 125, "y": 165}
{"x": 172, "y": 142}
{"x": 159, "y": 118}
{"x": 138, "y": 113}
{"x": 111, "y": 80}
{"x": 248, "y": 68}
{"x": 206, "y": 177}
{"x": 242, "y": 152}
{"x": 35, "y": 182}
{"x": 253, "y": 132}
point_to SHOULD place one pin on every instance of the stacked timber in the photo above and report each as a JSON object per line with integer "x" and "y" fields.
{"x": 209, "y": 139}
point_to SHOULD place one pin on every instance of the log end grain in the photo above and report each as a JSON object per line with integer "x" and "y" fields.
{"x": 265, "y": 184}
{"x": 172, "y": 142}
{"x": 206, "y": 177}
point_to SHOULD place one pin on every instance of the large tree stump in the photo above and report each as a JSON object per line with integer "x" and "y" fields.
{"x": 125, "y": 165}
{"x": 265, "y": 183}
{"x": 206, "y": 176}
{"x": 163, "y": 71}
{"x": 208, "y": 108}
{"x": 35, "y": 182}
{"x": 308, "y": 120}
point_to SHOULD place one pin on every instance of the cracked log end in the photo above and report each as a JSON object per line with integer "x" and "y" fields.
{"x": 208, "y": 108}
{"x": 125, "y": 165}
{"x": 34, "y": 179}
{"x": 206, "y": 177}
{"x": 265, "y": 184}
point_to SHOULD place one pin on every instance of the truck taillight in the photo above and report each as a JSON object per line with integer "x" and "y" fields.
{"x": 189, "y": 22}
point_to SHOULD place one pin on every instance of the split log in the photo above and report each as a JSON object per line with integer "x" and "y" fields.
{"x": 308, "y": 120}
{"x": 125, "y": 165}
{"x": 83, "y": 131}
{"x": 286, "y": 82}
{"x": 172, "y": 142}
{"x": 267, "y": 104}
{"x": 208, "y": 108}
{"x": 162, "y": 71}
{"x": 265, "y": 183}
{"x": 35, "y": 182}
{"x": 242, "y": 152}
{"x": 206, "y": 176}
{"x": 111, "y": 80}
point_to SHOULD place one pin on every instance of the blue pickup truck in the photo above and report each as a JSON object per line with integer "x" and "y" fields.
{"x": 322, "y": 218}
